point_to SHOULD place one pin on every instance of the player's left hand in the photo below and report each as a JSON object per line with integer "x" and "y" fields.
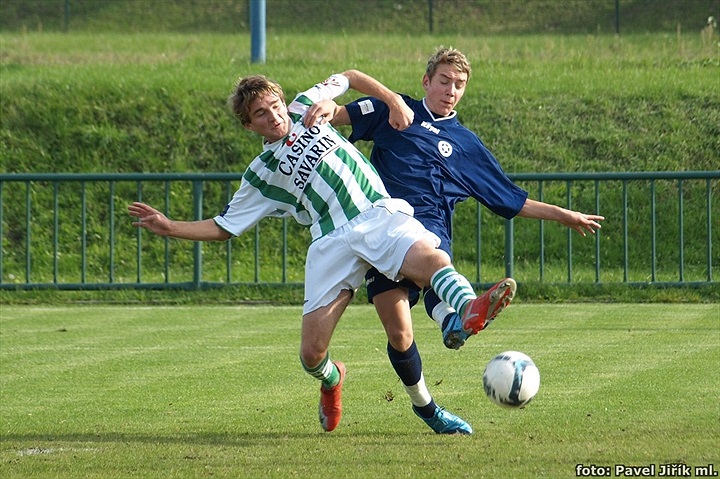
{"x": 583, "y": 223}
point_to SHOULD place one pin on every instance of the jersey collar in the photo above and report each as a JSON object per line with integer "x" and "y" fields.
{"x": 441, "y": 118}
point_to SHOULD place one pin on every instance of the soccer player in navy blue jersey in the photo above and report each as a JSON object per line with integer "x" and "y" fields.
{"x": 433, "y": 164}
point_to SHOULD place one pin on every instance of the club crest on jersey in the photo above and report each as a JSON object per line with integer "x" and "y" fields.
{"x": 291, "y": 139}
{"x": 445, "y": 148}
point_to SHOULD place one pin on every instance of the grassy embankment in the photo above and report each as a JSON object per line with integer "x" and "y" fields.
{"x": 155, "y": 103}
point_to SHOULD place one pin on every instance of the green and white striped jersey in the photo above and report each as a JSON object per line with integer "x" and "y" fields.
{"x": 314, "y": 175}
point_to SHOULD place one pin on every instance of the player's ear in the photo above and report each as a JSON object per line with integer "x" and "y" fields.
{"x": 426, "y": 82}
{"x": 248, "y": 126}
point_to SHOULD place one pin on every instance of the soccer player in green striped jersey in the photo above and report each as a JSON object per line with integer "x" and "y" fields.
{"x": 310, "y": 172}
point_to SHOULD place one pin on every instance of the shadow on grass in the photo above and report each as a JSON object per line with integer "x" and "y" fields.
{"x": 241, "y": 439}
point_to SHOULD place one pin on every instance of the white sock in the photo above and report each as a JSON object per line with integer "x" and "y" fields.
{"x": 419, "y": 394}
{"x": 440, "y": 312}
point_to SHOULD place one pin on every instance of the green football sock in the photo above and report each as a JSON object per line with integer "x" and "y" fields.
{"x": 326, "y": 372}
{"x": 453, "y": 288}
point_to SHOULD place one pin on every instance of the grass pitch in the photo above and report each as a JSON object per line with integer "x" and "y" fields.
{"x": 188, "y": 392}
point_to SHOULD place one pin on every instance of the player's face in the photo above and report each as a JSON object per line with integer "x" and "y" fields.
{"x": 269, "y": 118}
{"x": 445, "y": 89}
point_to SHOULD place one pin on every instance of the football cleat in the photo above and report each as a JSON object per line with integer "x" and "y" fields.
{"x": 482, "y": 310}
{"x": 330, "y": 409}
{"x": 453, "y": 334}
{"x": 444, "y": 422}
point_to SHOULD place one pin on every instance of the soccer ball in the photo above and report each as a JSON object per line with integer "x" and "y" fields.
{"x": 511, "y": 379}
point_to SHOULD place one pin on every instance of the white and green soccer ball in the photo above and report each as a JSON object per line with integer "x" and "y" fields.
{"x": 511, "y": 379}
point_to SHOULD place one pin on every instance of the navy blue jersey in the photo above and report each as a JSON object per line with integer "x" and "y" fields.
{"x": 433, "y": 164}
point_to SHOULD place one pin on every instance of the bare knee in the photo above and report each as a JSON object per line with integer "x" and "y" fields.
{"x": 311, "y": 357}
{"x": 393, "y": 308}
{"x": 314, "y": 348}
{"x": 400, "y": 340}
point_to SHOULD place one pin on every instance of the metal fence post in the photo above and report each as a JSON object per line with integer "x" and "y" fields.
{"x": 509, "y": 247}
{"x": 66, "y": 23}
{"x": 430, "y": 16}
{"x": 257, "y": 30}
{"x": 197, "y": 246}
{"x": 617, "y": 17}
{"x": 708, "y": 208}
{"x": 2, "y": 235}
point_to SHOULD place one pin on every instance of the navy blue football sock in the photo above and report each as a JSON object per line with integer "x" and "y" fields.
{"x": 408, "y": 366}
{"x": 431, "y": 299}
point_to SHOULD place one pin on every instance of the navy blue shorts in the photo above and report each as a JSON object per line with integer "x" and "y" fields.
{"x": 379, "y": 283}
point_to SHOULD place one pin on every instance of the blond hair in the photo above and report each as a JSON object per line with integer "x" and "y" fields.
{"x": 449, "y": 56}
{"x": 247, "y": 90}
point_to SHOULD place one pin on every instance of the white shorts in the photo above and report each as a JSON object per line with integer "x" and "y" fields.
{"x": 379, "y": 237}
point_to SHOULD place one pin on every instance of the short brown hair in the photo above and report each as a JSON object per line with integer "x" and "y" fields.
{"x": 449, "y": 56}
{"x": 247, "y": 90}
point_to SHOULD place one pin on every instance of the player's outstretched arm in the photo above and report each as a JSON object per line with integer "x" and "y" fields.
{"x": 153, "y": 220}
{"x": 580, "y": 222}
{"x": 401, "y": 115}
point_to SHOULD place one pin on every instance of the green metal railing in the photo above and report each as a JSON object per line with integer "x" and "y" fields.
{"x": 72, "y": 231}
